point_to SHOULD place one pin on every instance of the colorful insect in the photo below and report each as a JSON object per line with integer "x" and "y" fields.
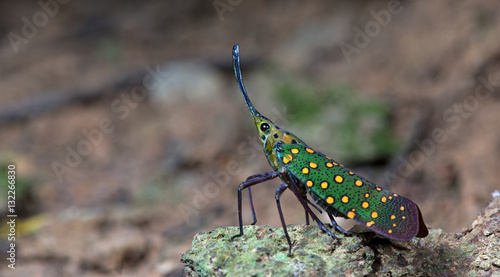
{"x": 334, "y": 188}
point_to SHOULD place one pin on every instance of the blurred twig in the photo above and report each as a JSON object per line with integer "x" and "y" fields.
{"x": 54, "y": 100}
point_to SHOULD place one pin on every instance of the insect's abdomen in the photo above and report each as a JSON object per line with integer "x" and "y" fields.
{"x": 337, "y": 189}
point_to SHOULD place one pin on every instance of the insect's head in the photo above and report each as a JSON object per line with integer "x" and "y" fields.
{"x": 269, "y": 133}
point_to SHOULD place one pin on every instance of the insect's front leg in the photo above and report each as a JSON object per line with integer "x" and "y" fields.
{"x": 250, "y": 198}
{"x": 252, "y": 180}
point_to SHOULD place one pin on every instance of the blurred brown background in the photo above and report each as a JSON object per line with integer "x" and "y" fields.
{"x": 130, "y": 136}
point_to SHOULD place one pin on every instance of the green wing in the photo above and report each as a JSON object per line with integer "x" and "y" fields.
{"x": 336, "y": 188}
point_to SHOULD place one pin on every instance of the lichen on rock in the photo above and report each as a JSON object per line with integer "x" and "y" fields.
{"x": 263, "y": 251}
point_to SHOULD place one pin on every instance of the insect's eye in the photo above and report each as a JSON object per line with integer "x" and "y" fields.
{"x": 264, "y": 127}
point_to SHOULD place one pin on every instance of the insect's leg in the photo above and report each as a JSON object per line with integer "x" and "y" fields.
{"x": 307, "y": 218}
{"x": 293, "y": 187}
{"x": 250, "y": 199}
{"x": 336, "y": 226}
{"x": 313, "y": 216}
{"x": 308, "y": 210}
{"x": 312, "y": 204}
{"x": 278, "y": 193}
{"x": 252, "y": 180}
{"x": 251, "y": 207}
{"x": 307, "y": 214}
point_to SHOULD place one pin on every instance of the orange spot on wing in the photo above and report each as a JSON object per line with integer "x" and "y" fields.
{"x": 324, "y": 185}
{"x": 330, "y": 200}
{"x": 345, "y": 199}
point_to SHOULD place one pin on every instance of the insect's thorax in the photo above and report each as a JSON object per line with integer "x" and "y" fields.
{"x": 272, "y": 138}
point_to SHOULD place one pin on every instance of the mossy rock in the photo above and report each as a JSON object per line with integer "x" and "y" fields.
{"x": 263, "y": 251}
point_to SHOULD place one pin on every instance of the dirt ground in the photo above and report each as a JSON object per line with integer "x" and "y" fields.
{"x": 129, "y": 134}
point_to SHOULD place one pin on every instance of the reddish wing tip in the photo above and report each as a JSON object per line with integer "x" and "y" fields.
{"x": 414, "y": 227}
{"x": 422, "y": 229}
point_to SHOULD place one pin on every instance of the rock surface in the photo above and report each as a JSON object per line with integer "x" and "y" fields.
{"x": 263, "y": 251}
